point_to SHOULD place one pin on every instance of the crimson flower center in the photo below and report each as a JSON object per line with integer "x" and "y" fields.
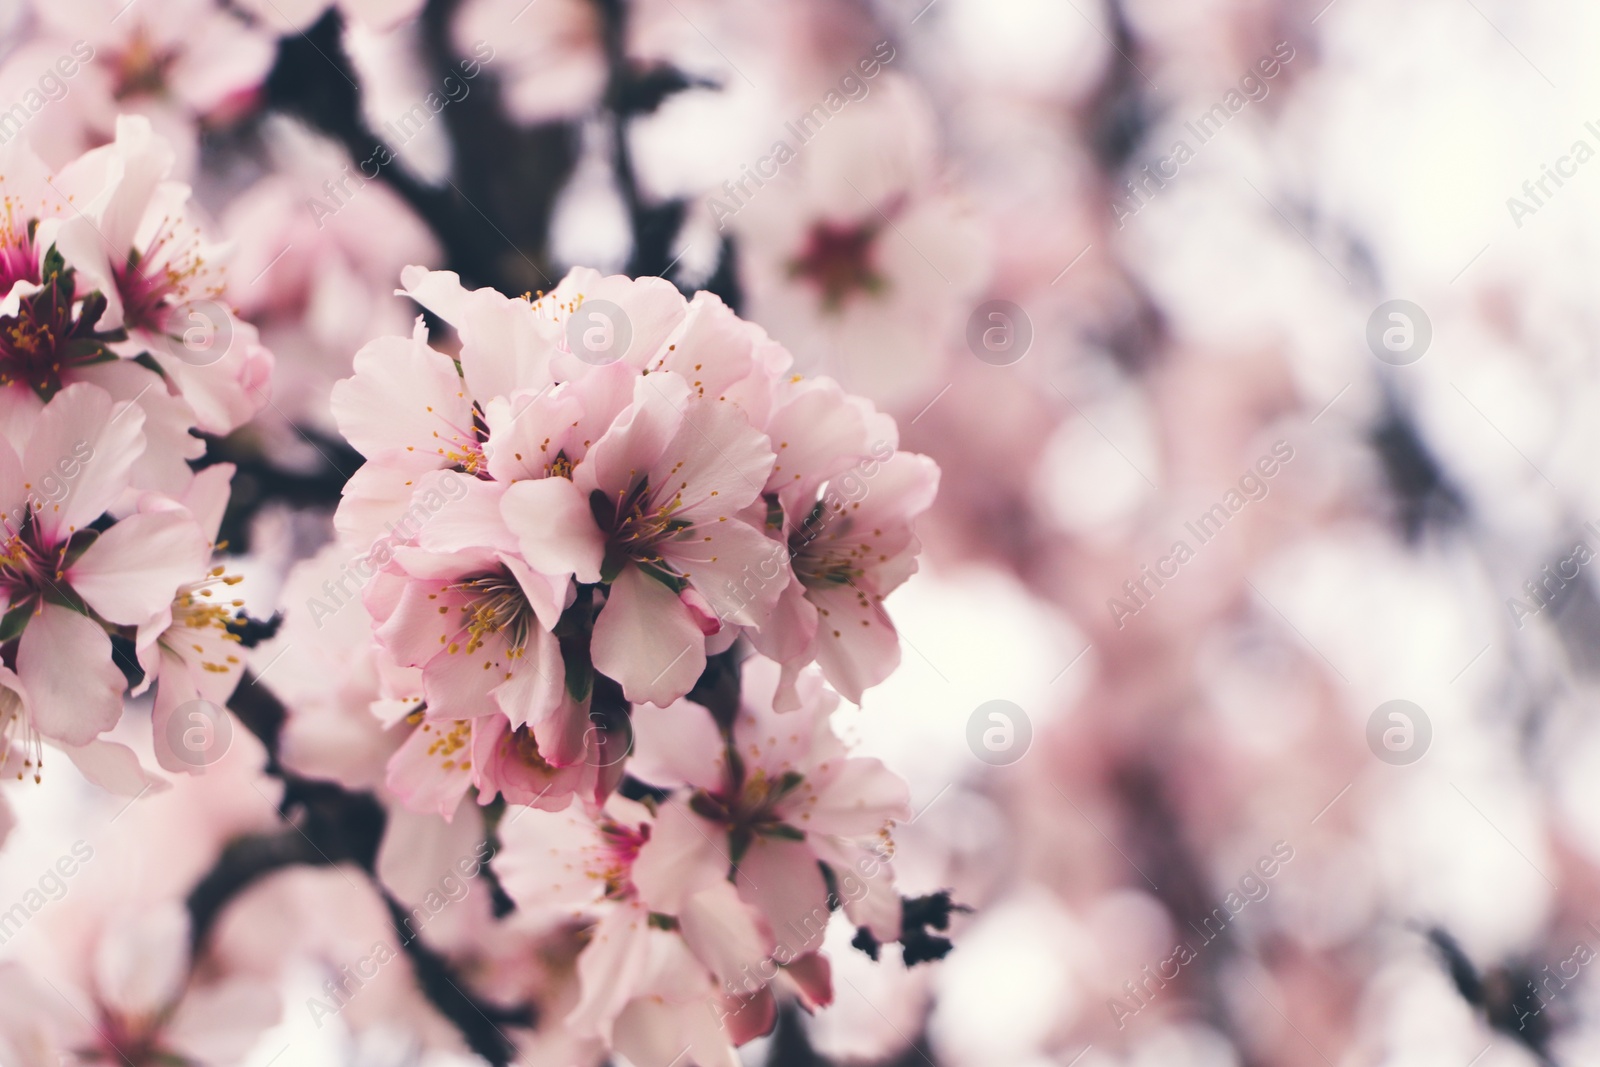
{"x": 838, "y": 260}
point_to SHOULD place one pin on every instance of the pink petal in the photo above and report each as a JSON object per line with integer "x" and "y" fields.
{"x": 725, "y": 933}
{"x": 451, "y": 511}
{"x": 554, "y": 527}
{"x": 64, "y": 662}
{"x": 142, "y": 961}
{"x": 781, "y": 879}
{"x": 404, "y": 399}
{"x": 114, "y": 768}
{"x": 429, "y": 773}
{"x": 717, "y": 462}
{"x": 677, "y": 745}
{"x": 131, "y": 571}
{"x": 543, "y": 858}
{"x": 750, "y": 1017}
{"x": 857, "y": 645}
{"x": 548, "y": 595}
{"x": 82, "y": 424}
{"x": 646, "y": 640}
{"x": 504, "y": 349}
{"x": 813, "y": 976}
{"x": 684, "y": 855}
{"x": 711, "y": 347}
{"x": 526, "y": 432}
{"x": 858, "y": 797}
{"x": 535, "y": 688}
{"x": 635, "y": 442}
{"x": 609, "y": 968}
{"x": 740, "y": 571}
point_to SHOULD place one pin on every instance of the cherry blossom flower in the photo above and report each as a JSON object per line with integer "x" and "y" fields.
{"x": 859, "y": 259}
{"x": 582, "y": 864}
{"x": 189, "y": 650}
{"x": 134, "y": 239}
{"x": 554, "y": 63}
{"x": 766, "y": 809}
{"x": 460, "y": 604}
{"x": 48, "y": 335}
{"x": 174, "y": 62}
{"x": 54, "y": 565}
{"x": 317, "y": 278}
{"x": 848, "y": 500}
{"x": 668, "y": 482}
{"x": 134, "y": 1001}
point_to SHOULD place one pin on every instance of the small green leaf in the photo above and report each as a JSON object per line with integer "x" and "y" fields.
{"x": 783, "y": 831}
{"x": 739, "y": 840}
{"x": 12, "y": 623}
{"x": 675, "y": 582}
{"x": 580, "y": 681}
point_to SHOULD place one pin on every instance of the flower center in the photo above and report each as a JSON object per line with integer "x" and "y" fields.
{"x": 613, "y": 860}
{"x": 141, "y": 69}
{"x": 156, "y": 283}
{"x": 31, "y": 342}
{"x": 29, "y": 568}
{"x": 462, "y": 447}
{"x": 638, "y": 526}
{"x": 820, "y": 560}
{"x": 496, "y": 605}
{"x": 644, "y": 525}
{"x": 753, "y": 807}
{"x": 52, "y": 329}
{"x": 195, "y": 609}
{"x": 838, "y": 260}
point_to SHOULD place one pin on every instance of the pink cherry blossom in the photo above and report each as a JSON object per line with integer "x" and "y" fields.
{"x": 865, "y": 262}
{"x": 583, "y": 864}
{"x": 133, "y": 238}
{"x": 189, "y": 650}
{"x": 173, "y": 62}
{"x": 134, "y": 1001}
{"x": 460, "y": 604}
{"x": 669, "y": 480}
{"x": 54, "y": 564}
{"x": 848, "y": 501}
{"x": 793, "y": 800}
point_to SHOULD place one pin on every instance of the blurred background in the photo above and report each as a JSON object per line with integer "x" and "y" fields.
{"x": 1249, "y": 680}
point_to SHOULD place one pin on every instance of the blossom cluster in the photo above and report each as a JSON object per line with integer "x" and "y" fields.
{"x": 115, "y": 355}
{"x": 559, "y": 534}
